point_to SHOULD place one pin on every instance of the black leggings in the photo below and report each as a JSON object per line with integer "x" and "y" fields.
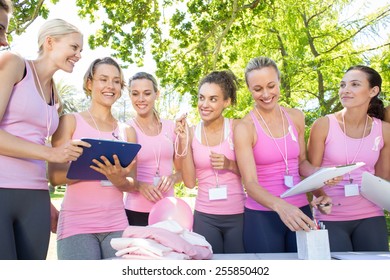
{"x": 24, "y": 224}
{"x": 358, "y": 235}
{"x": 264, "y": 232}
{"x": 137, "y": 218}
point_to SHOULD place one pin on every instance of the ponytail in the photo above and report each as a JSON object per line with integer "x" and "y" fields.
{"x": 376, "y": 108}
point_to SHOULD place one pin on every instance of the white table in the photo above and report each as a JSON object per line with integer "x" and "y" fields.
{"x": 294, "y": 256}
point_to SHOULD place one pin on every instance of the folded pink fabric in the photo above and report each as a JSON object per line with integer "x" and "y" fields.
{"x": 164, "y": 240}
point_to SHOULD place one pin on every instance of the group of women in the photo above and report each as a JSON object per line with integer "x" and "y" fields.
{"x": 240, "y": 167}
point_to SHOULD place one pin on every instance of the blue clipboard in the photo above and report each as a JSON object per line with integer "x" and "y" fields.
{"x": 81, "y": 170}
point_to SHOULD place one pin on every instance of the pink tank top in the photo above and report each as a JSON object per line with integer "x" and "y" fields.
{"x": 88, "y": 206}
{"x": 155, "y": 150}
{"x": 28, "y": 117}
{"x": 234, "y": 204}
{"x": 271, "y": 166}
{"x": 351, "y": 207}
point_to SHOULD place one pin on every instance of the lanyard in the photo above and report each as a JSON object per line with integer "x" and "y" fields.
{"x": 156, "y": 157}
{"x": 346, "y": 146}
{"x": 48, "y": 116}
{"x": 220, "y": 147}
{"x": 100, "y": 133}
{"x": 285, "y": 157}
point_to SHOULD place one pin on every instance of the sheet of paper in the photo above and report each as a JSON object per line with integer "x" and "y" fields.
{"x": 376, "y": 189}
{"x": 316, "y": 180}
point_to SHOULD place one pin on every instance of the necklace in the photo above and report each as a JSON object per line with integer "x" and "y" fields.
{"x": 285, "y": 157}
{"x": 48, "y": 116}
{"x": 97, "y": 128}
{"x": 157, "y": 158}
{"x": 143, "y": 131}
{"x": 346, "y": 146}
{"x": 220, "y": 146}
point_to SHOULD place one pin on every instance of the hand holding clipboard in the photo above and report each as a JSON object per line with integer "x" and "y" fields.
{"x": 316, "y": 180}
{"x": 81, "y": 168}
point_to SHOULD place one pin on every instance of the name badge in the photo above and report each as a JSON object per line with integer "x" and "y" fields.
{"x": 351, "y": 190}
{"x": 105, "y": 183}
{"x": 156, "y": 180}
{"x": 289, "y": 181}
{"x": 218, "y": 193}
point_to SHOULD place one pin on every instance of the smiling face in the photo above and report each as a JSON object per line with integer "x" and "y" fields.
{"x": 106, "y": 84}
{"x": 66, "y": 50}
{"x": 355, "y": 89}
{"x": 143, "y": 96}
{"x": 211, "y": 102}
{"x": 264, "y": 85}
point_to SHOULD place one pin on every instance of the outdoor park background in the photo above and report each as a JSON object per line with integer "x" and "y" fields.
{"x": 313, "y": 42}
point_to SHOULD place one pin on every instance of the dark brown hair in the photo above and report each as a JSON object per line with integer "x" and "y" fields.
{"x": 226, "y": 80}
{"x": 376, "y": 107}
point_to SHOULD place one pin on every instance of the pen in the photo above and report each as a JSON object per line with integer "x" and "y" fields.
{"x": 321, "y": 225}
{"x": 327, "y": 204}
{"x": 316, "y": 223}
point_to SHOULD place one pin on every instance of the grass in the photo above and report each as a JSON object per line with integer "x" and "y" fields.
{"x": 57, "y": 193}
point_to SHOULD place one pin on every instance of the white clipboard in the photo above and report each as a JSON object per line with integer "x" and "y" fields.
{"x": 317, "y": 179}
{"x": 376, "y": 189}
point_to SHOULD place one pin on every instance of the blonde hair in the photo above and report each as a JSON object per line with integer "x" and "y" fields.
{"x": 258, "y": 63}
{"x": 55, "y": 28}
{"x": 88, "y": 76}
{"x": 150, "y": 77}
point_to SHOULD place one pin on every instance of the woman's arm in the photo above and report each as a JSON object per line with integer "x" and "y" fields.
{"x": 244, "y": 140}
{"x": 12, "y": 68}
{"x": 387, "y": 114}
{"x": 184, "y": 154}
{"x": 305, "y": 168}
{"x": 57, "y": 171}
{"x": 316, "y": 142}
{"x": 382, "y": 166}
{"x": 316, "y": 148}
{"x": 221, "y": 162}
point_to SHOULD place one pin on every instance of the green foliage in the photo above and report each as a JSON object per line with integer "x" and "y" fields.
{"x": 57, "y": 192}
{"x": 25, "y": 12}
{"x": 71, "y": 99}
{"x": 182, "y": 191}
{"x": 387, "y": 216}
{"x": 312, "y": 42}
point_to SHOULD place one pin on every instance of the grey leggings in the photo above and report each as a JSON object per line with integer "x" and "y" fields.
{"x": 24, "y": 224}
{"x": 90, "y": 246}
{"x": 223, "y": 232}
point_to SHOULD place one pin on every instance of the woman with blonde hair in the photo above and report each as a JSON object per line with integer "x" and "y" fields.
{"x": 92, "y": 212}
{"x": 156, "y": 162}
{"x": 28, "y": 117}
{"x": 271, "y": 156}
